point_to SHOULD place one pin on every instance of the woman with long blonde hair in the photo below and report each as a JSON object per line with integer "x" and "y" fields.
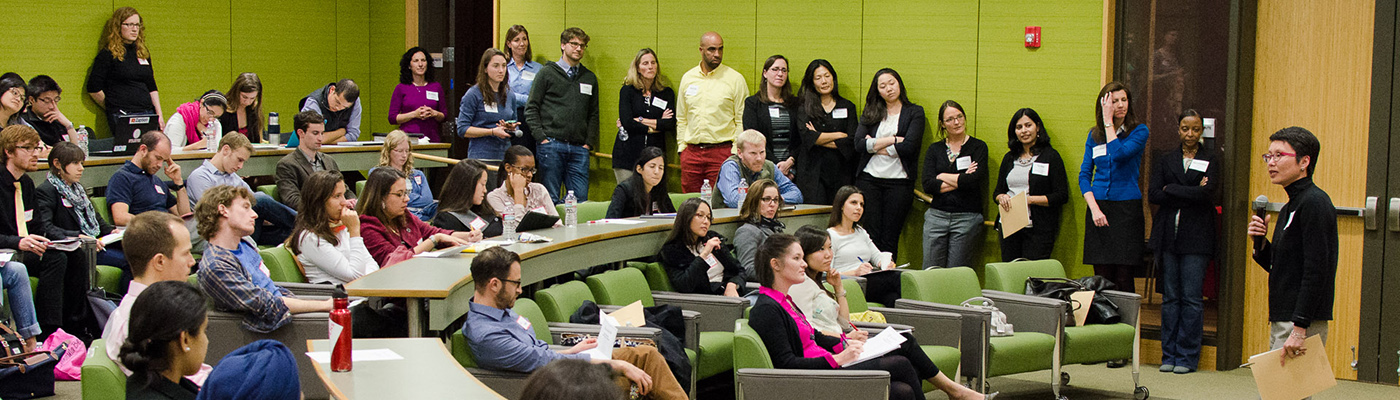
{"x": 122, "y": 80}
{"x": 397, "y": 153}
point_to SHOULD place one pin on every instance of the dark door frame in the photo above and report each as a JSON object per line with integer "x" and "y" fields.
{"x": 1374, "y": 363}
{"x": 1238, "y": 128}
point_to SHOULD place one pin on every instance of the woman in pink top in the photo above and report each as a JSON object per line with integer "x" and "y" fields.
{"x": 418, "y": 101}
{"x": 518, "y": 194}
{"x": 391, "y": 233}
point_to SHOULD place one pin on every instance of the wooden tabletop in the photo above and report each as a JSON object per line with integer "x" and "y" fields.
{"x": 427, "y": 371}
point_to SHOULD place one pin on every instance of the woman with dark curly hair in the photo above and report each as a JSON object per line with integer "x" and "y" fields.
{"x": 418, "y": 101}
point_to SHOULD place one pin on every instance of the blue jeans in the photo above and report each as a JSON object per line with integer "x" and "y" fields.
{"x": 16, "y": 283}
{"x": 1182, "y": 277}
{"x": 278, "y": 217}
{"x": 564, "y": 163}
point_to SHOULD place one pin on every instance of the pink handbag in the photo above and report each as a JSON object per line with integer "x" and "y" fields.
{"x": 70, "y": 365}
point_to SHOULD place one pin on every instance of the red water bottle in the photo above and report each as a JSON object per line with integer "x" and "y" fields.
{"x": 340, "y": 332}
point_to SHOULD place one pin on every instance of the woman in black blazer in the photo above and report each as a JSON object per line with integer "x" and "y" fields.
{"x": 775, "y": 112}
{"x": 65, "y": 207}
{"x": 1183, "y": 185}
{"x": 646, "y": 112}
{"x": 696, "y": 258}
{"x": 463, "y": 207}
{"x": 826, "y": 156}
{"x": 890, "y": 136}
{"x": 643, "y": 193}
{"x": 1031, "y": 166}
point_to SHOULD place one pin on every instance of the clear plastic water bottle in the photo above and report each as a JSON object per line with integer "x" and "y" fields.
{"x": 211, "y": 142}
{"x": 508, "y": 225}
{"x": 743, "y": 191}
{"x": 82, "y": 138}
{"x": 706, "y": 192}
{"x": 570, "y": 210}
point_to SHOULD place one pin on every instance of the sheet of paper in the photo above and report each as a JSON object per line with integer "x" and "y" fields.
{"x": 888, "y": 340}
{"x": 1017, "y": 218}
{"x": 1084, "y": 298}
{"x": 617, "y": 221}
{"x": 630, "y": 316}
{"x": 444, "y": 252}
{"x": 65, "y": 245}
{"x": 607, "y": 337}
{"x": 6, "y": 255}
{"x": 485, "y": 244}
{"x": 324, "y": 357}
{"x": 115, "y": 236}
{"x": 1300, "y": 377}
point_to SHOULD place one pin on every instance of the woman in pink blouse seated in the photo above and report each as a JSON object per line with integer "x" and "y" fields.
{"x": 793, "y": 344}
{"x": 517, "y": 193}
{"x": 391, "y": 233}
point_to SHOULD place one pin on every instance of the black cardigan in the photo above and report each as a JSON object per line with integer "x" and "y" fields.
{"x": 62, "y": 221}
{"x": 779, "y": 334}
{"x": 127, "y": 84}
{"x": 756, "y": 117}
{"x": 1302, "y": 258}
{"x": 631, "y": 104}
{"x": 625, "y": 204}
{"x": 688, "y": 272}
{"x": 972, "y": 188}
{"x": 821, "y": 167}
{"x": 1054, "y": 186}
{"x": 911, "y": 128}
{"x": 1174, "y": 188}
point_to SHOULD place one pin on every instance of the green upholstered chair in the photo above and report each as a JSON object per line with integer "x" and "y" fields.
{"x": 1082, "y": 344}
{"x": 109, "y": 279}
{"x": 270, "y": 190}
{"x": 282, "y": 266}
{"x": 1036, "y": 321}
{"x": 360, "y": 188}
{"x": 939, "y": 333}
{"x": 655, "y": 274}
{"x": 102, "y": 380}
{"x": 678, "y": 198}
{"x": 100, "y": 204}
{"x": 755, "y": 377}
{"x": 587, "y": 210}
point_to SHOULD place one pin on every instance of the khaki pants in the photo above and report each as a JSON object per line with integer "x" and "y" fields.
{"x": 1279, "y": 331}
{"x": 663, "y": 385}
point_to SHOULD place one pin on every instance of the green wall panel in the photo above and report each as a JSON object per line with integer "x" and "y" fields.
{"x": 44, "y": 46}
{"x": 679, "y": 39}
{"x": 289, "y": 69}
{"x": 185, "y": 53}
{"x": 544, "y": 19}
{"x": 386, "y": 48}
{"x": 802, "y": 31}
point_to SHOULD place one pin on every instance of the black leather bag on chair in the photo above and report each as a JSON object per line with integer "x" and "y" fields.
{"x": 1101, "y": 310}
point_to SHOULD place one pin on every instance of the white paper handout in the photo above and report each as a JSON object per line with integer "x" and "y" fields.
{"x": 888, "y": 340}
{"x": 607, "y": 336}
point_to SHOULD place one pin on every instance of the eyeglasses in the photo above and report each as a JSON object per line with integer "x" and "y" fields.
{"x": 18, "y": 92}
{"x": 956, "y": 118}
{"x": 1269, "y": 158}
{"x": 52, "y": 101}
{"x": 778, "y": 69}
{"x": 771, "y": 200}
{"x": 526, "y": 171}
{"x": 401, "y": 193}
{"x": 578, "y": 44}
{"x": 28, "y": 148}
{"x": 131, "y": 25}
{"x": 517, "y": 283}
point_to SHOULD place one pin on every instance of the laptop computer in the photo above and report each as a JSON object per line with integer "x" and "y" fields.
{"x": 126, "y": 134}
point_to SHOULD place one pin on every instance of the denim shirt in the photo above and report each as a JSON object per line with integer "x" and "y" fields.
{"x": 503, "y": 340}
{"x": 519, "y": 85}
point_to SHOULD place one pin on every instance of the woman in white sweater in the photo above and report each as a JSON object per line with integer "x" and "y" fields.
{"x": 326, "y": 238}
{"x": 855, "y": 254}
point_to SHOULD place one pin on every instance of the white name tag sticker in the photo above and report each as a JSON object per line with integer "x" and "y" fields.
{"x": 160, "y": 188}
{"x": 658, "y": 103}
{"x": 540, "y": 210}
{"x": 527, "y": 75}
{"x": 1040, "y": 168}
{"x": 491, "y": 108}
{"x": 1100, "y": 150}
{"x": 1200, "y": 165}
{"x": 28, "y": 215}
{"x": 66, "y": 203}
{"x": 964, "y": 162}
{"x": 477, "y": 224}
{"x": 585, "y": 89}
{"x": 432, "y": 95}
{"x": 143, "y": 61}
{"x": 839, "y": 113}
{"x": 692, "y": 90}
{"x": 773, "y": 112}
{"x": 524, "y": 323}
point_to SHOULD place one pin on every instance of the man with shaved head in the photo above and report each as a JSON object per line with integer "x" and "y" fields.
{"x": 708, "y": 114}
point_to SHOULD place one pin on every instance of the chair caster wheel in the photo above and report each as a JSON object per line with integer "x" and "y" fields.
{"x": 1064, "y": 379}
{"x": 1141, "y": 393}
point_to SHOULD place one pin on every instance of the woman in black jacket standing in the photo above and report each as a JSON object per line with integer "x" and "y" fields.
{"x": 1183, "y": 185}
{"x": 774, "y": 112}
{"x": 827, "y": 153}
{"x": 890, "y": 136}
{"x": 1033, "y": 167}
{"x": 955, "y": 179}
{"x": 646, "y": 112}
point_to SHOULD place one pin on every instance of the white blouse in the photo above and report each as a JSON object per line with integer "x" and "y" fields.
{"x": 335, "y": 264}
{"x": 821, "y": 310}
{"x": 880, "y": 165}
{"x": 851, "y": 249}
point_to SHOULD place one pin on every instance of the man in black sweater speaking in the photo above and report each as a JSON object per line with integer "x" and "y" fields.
{"x": 1302, "y": 257}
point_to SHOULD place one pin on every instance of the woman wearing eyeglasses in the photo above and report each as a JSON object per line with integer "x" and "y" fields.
{"x": 397, "y": 153}
{"x": 12, "y": 93}
{"x": 122, "y": 80}
{"x": 1108, "y": 179}
{"x": 197, "y": 122}
{"x": 696, "y": 258}
{"x": 773, "y": 111}
{"x": 955, "y": 179}
{"x": 517, "y": 193}
{"x": 1183, "y": 185}
{"x": 758, "y": 213}
{"x": 391, "y": 233}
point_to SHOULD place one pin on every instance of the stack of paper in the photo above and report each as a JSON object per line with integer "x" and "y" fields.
{"x": 888, "y": 340}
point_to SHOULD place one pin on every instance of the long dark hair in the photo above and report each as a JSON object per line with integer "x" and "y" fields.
{"x": 249, "y": 82}
{"x": 460, "y": 189}
{"x": 1129, "y": 120}
{"x": 517, "y": 30}
{"x": 1042, "y": 137}
{"x": 640, "y": 197}
{"x": 785, "y": 91}
{"x": 813, "y": 239}
{"x": 748, "y": 211}
{"x": 492, "y": 95}
{"x": 376, "y": 188}
{"x": 680, "y": 229}
{"x": 875, "y": 104}
{"x": 166, "y": 310}
{"x": 838, "y": 206}
{"x": 312, "y": 217}
{"x": 772, "y": 248}
{"x": 406, "y": 72}
{"x": 807, "y": 92}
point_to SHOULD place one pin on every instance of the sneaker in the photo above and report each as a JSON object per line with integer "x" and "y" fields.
{"x": 1167, "y": 368}
{"x": 1183, "y": 370}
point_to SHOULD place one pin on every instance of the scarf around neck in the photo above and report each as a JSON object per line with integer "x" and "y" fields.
{"x": 75, "y": 195}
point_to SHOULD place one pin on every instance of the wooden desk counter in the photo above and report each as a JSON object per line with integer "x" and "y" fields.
{"x": 427, "y": 371}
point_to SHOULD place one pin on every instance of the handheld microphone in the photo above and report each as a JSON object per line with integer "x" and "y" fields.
{"x": 1259, "y": 204}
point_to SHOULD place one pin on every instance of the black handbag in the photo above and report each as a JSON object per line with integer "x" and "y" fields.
{"x": 1101, "y": 310}
{"x": 27, "y": 375}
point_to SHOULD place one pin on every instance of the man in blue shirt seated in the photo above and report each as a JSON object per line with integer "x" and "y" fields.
{"x": 135, "y": 188}
{"x": 749, "y": 164}
{"x": 274, "y": 219}
{"x": 503, "y": 340}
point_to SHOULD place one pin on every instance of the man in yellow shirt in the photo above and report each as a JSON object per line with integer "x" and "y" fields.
{"x": 709, "y": 112}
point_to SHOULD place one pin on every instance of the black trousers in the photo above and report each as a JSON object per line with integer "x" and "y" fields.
{"x": 61, "y": 298}
{"x": 887, "y": 203}
{"x": 1032, "y": 243}
{"x": 908, "y": 366}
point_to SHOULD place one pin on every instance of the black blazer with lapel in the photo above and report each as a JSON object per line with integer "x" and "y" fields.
{"x": 1054, "y": 185}
{"x": 1173, "y": 187}
{"x": 911, "y": 128}
{"x": 62, "y": 220}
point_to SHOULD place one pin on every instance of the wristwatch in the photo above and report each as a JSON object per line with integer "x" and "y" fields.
{"x": 174, "y": 186}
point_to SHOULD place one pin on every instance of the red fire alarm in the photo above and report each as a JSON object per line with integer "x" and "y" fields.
{"x": 1033, "y": 36}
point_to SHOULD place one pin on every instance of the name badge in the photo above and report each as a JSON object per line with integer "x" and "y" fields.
{"x": 1290, "y": 220}
{"x": 160, "y": 188}
{"x": 585, "y": 89}
{"x": 964, "y": 162}
{"x": 839, "y": 113}
{"x": 28, "y": 215}
{"x": 408, "y": 185}
{"x": 418, "y": 179}
{"x": 524, "y": 323}
{"x": 1100, "y": 150}
{"x": 143, "y": 61}
{"x": 527, "y": 75}
{"x": 1040, "y": 168}
{"x": 1200, "y": 165}
{"x": 692, "y": 90}
{"x": 65, "y": 137}
{"x": 477, "y": 224}
{"x": 773, "y": 112}
{"x": 492, "y": 108}
{"x": 66, "y": 203}
{"x": 540, "y": 210}
{"x": 432, "y": 95}
{"x": 658, "y": 103}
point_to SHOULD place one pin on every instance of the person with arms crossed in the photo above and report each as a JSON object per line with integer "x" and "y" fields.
{"x": 709, "y": 114}
{"x": 563, "y": 117}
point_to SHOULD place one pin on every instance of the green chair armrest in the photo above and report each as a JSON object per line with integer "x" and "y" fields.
{"x": 717, "y": 313}
{"x": 930, "y": 327}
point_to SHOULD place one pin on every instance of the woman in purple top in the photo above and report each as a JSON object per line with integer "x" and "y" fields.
{"x": 417, "y": 104}
{"x": 793, "y": 344}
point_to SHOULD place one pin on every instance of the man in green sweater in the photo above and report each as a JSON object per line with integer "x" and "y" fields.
{"x": 563, "y": 116}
